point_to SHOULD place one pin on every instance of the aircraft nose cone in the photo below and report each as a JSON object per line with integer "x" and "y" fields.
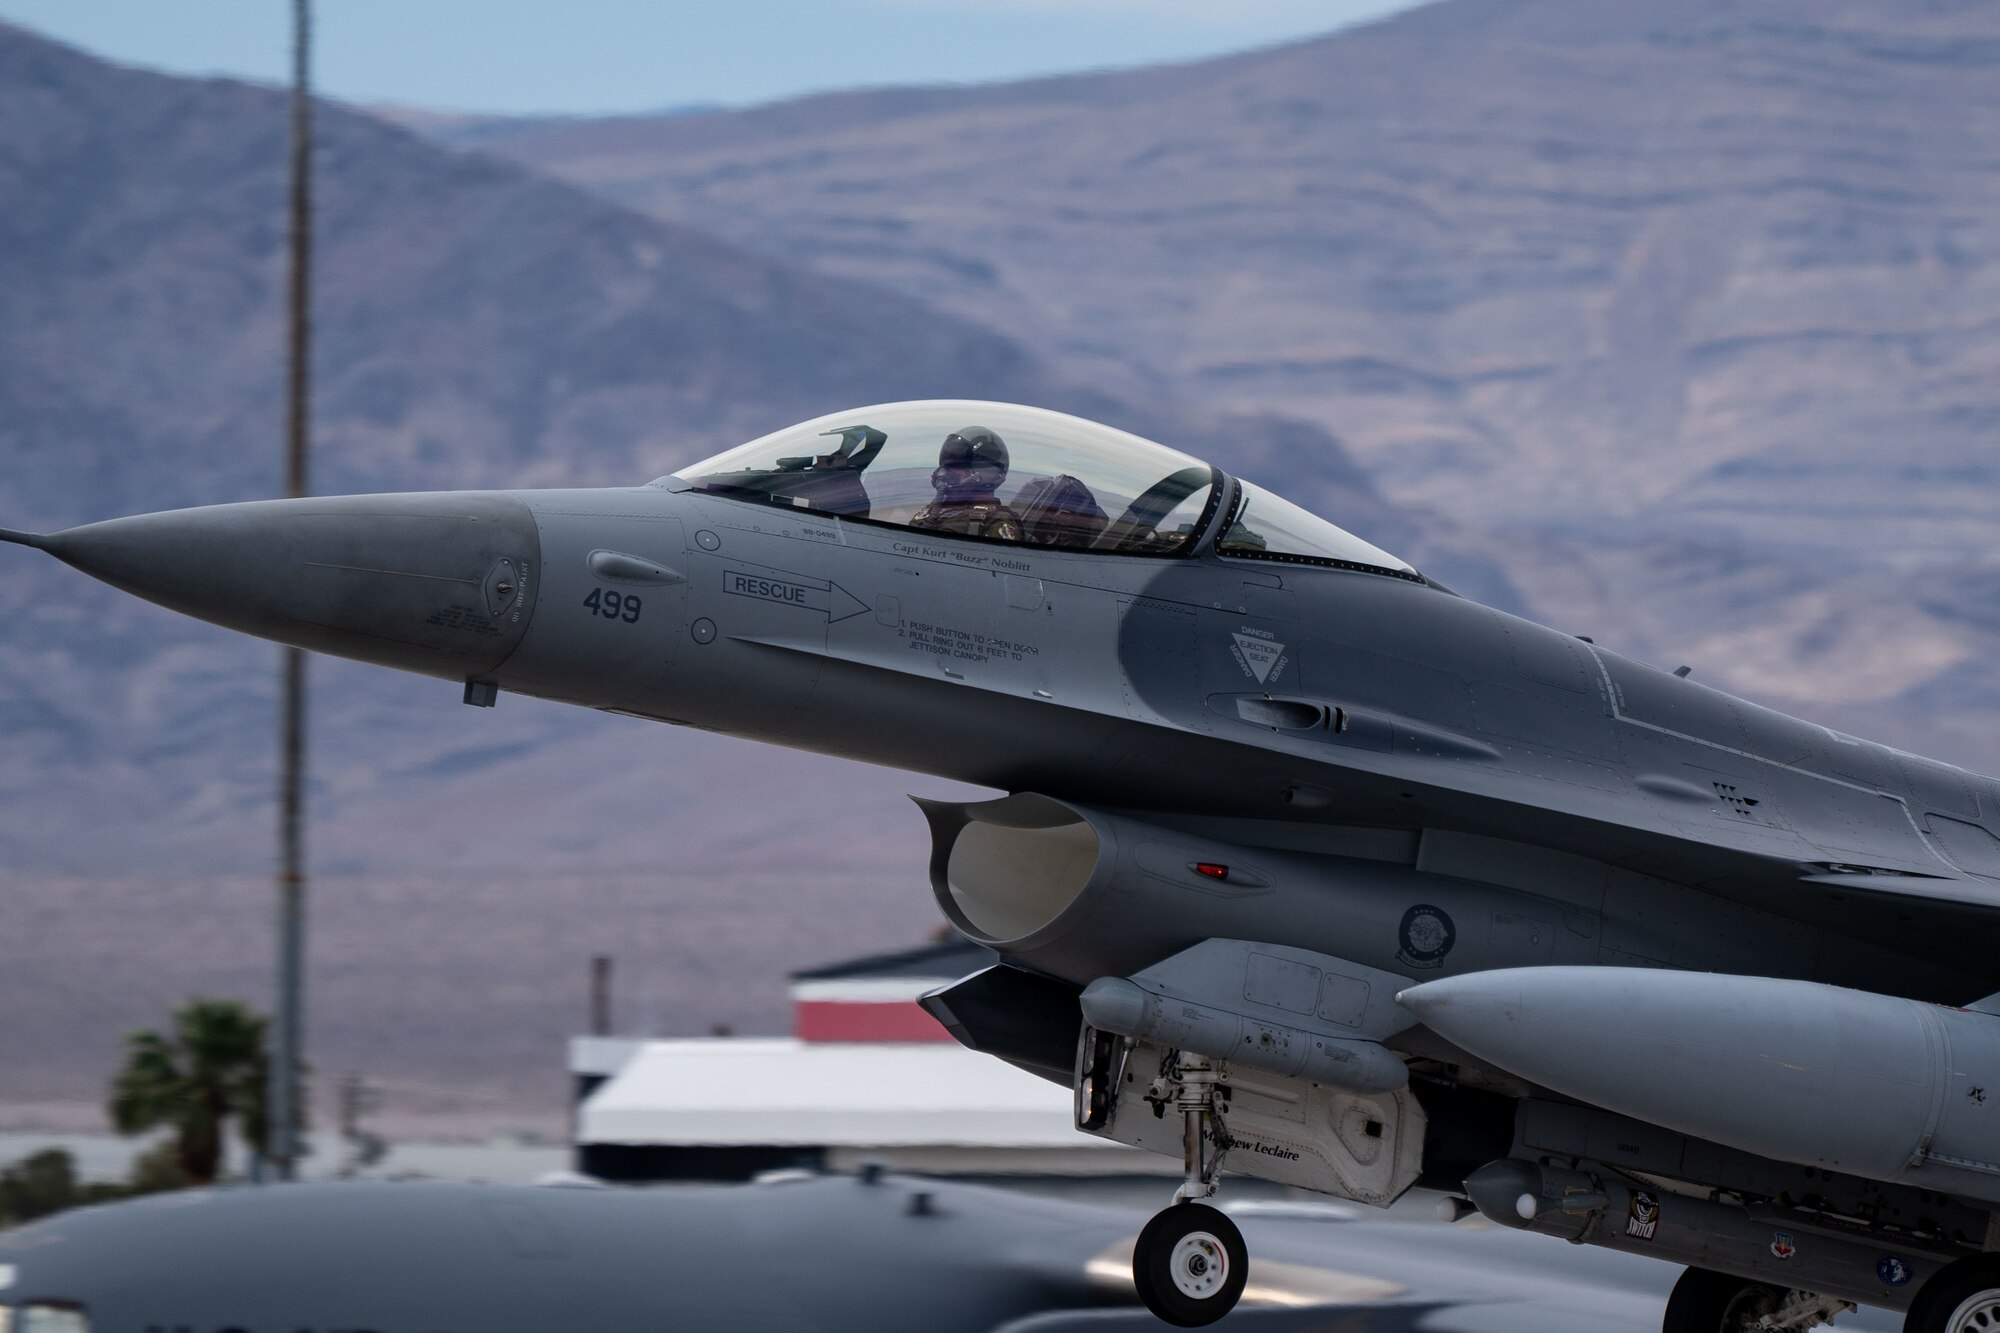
{"x": 435, "y": 583}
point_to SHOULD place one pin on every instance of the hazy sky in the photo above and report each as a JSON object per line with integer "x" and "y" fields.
{"x": 594, "y": 56}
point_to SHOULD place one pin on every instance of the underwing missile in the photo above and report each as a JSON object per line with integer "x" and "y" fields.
{"x": 1593, "y": 1205}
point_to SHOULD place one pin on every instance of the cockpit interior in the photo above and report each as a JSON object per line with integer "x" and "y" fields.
{"x": 1003, "y": 472}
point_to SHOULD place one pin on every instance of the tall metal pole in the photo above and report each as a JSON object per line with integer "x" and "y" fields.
{"x": 283, "y": 1102}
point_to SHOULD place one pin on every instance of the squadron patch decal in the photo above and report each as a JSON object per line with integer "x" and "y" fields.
{"x": 1642, "y": 1216}
{"x": 1427, "y": 936}
{"x": 1783, "y": 1245}
{"x": 1261, "y": 656}
{"x": 1894, "y": 1271}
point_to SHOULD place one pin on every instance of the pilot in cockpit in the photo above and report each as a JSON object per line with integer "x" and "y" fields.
{"x": 971, "y": 465}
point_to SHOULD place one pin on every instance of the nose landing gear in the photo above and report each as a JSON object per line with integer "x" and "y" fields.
{"x": 1190, "y": 1263}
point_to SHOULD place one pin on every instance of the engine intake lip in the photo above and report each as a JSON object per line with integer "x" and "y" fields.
{"x": 1012, "y": 872}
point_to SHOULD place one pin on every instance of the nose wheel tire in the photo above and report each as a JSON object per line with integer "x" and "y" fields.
{"x": 1190, "y": 1264}
{"x": 1704, "y": 1301}
{"x": 1964, "y": 1297}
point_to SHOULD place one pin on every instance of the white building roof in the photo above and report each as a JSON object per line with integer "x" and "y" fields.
{"x": 602, "y": 1056}
{"x": 867, "y": 990}
{"x": 782, "y": 1091}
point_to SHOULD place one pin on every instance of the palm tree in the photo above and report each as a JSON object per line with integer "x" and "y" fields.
{"x": 211, "y": 1066}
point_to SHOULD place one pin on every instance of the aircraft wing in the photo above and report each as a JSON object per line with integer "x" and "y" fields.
{"x": 1950, "y": 921}
{"x": 1980, "y": 895}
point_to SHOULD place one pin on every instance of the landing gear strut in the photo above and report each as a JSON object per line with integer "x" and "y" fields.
{"x": 1190, "y": 1262}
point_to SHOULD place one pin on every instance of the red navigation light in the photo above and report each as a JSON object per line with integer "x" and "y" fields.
{"x": 1211, "y": 869}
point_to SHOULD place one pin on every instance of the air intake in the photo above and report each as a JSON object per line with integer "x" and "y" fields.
{"x": 1004, "y": 870}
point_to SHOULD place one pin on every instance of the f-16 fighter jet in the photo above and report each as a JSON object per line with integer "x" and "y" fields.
{"x": 1307, "y": 868}
{"x": 867, "y": 1254}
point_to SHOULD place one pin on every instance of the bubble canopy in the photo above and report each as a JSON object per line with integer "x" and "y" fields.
{"x": 1003, "y": 472}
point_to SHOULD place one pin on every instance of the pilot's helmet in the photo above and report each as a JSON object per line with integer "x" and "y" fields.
{"x": 971, "y": 459}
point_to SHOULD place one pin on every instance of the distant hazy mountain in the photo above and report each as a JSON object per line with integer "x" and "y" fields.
{"x": 1693, "y": 309}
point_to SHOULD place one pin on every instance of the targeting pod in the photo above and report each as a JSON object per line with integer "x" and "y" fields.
{"x": 1124, "y": 1006}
